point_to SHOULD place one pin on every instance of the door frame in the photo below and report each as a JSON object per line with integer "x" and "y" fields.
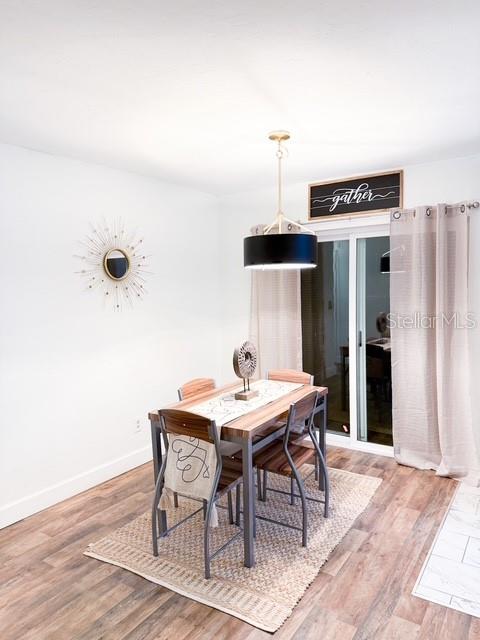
{"x": 352, "y": 230}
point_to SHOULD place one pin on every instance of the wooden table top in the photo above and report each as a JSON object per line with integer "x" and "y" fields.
{"x": 247, "y": 425}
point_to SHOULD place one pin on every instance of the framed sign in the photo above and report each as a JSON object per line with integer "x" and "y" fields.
{"x": 373, "y": 193}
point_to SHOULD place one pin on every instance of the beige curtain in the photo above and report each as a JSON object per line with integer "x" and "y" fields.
{"x": 313, "y": 316}
{"x": 276, "y": 319}
{"x": 430, "y": 326}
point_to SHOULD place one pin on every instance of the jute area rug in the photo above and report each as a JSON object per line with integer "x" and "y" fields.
{"x": 266, "y": 594}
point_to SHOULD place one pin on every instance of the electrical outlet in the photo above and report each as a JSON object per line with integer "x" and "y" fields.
{"x": 138, "y": 426}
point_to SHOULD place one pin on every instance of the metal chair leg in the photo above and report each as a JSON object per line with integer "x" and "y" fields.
{"x": 156, "y": 500}
{"x": 204, "y": 509}
{"x": 326, "y": 480}
{"x": 303, "y": 499}
{"x": 237, "y": 505}
{"x": 206, "y": 540}
{"x": 254, "y": 516}
{"x": 175, "y": 499}
{"x": 230, "y": 507}
{"x": 317, "y": 462}
{"x": 259, "y": 484}
{"x": 264, "y": 485}
{"x": 292, "y": 490}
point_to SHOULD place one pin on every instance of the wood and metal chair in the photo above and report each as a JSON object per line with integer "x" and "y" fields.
{"x": 285, "y": 458}
{"x": 195, "y": 387}
{"x": 300, "y": 377}
{"x": 227, "y": 476}
{"x": 284, "y": 375}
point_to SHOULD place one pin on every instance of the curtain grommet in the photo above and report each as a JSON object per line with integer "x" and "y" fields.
{"x": 428, "y": 212}
{"x": 462, "y": 208}
{"x": 396, "y": 215}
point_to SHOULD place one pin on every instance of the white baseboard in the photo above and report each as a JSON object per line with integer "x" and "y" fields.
{"x": 15, "y": 511}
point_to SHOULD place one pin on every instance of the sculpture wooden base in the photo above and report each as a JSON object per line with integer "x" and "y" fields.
{"x": 246, "y": 395}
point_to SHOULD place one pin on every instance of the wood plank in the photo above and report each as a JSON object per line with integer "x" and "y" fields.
{"x": 432, "y": 625}
{"x": 399, "y": 629}
{"x": 196, "y": 386}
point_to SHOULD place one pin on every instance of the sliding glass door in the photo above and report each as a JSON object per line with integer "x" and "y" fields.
{"x": 325, "y": 318}
{"x": 345, "y": 338}
{"x": 374, "y": 370}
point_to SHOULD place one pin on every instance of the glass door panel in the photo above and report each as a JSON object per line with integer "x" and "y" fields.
{"x": 325, "y": 328}
{"x": 374, "y": 377}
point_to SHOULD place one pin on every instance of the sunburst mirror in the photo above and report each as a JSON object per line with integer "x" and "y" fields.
{"x": 114, "y": 264}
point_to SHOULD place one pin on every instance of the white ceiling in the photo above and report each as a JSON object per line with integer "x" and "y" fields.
{"x": 186, "y": 90}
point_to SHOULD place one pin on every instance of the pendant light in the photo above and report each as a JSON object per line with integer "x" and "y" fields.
{"x": 284, "y": 244}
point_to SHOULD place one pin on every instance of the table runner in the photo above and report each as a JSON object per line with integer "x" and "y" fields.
{"x": 225, "y": 408}
{"x": 191, "y": 463}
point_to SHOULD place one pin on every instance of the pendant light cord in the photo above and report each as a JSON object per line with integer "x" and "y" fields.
{"x": 279, "y": 221}
{"x": 280, "y": 212}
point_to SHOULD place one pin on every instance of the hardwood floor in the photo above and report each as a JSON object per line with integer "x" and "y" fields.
{"x": 49, "y": 590}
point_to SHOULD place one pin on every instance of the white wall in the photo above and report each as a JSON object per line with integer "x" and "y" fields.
{"x": 444, "y": 181}
{"x": 74, "y": 376}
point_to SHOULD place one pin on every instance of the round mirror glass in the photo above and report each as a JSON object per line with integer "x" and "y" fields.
{"x": 116, "y": 264}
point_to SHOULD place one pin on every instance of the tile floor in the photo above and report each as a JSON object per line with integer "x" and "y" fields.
{"x": 451, "y": 573}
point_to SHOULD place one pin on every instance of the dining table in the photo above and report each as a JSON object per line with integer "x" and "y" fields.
{"x": 252, "y": 431}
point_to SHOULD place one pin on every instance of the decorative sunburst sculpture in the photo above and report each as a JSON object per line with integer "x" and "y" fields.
{"x": 114, "y": 264}
{"x": 244, "y": 365}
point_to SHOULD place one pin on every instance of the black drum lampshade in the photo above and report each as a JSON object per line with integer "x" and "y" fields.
{"x": 274, "y": 249}
{"x": 280, "y": 251}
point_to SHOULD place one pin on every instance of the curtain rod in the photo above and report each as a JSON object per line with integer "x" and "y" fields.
{"x": 469, "y": 205}
{"x": 396, "y": 214}
{"x": 474, "y": 204}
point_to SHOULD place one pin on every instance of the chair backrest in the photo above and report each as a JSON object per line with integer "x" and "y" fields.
{"x": 300, "y": 414}
{"x": 194, "y": 387}
{"x": 290, "y": 375}
{"x": 183, "y": 423}
{"x": 376, "y": 361}
{"x": 185, "y": 430}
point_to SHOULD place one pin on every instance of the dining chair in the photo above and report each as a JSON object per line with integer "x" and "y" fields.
{"x": 228, "y": 476}
{"x": 285, "y": 458}
{"x": 290, "y": 375}
{"x": 284, "y": 375}
{"x": 194, "y": 387}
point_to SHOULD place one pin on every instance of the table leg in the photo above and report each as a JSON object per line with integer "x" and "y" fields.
{"x": 248, "y": 498}
{"x": 157, "y": 463}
